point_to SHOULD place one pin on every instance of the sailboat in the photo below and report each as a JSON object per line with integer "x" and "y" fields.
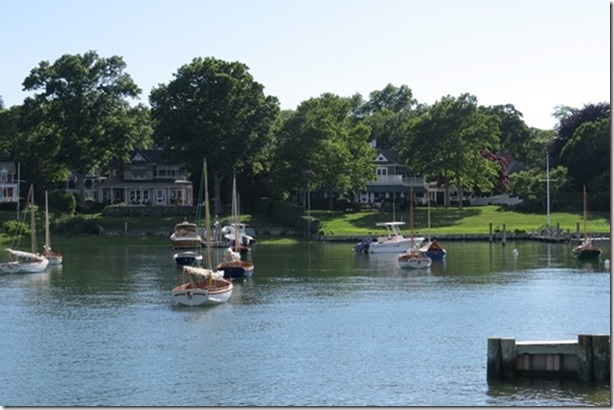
{"x": 431, "y": 247}
{"x": 203, "y": 286}
{"x": 22, "y": 261}
{"x": 234, "y": 266}
{"x": 54, "y": 257}
{"x": 587, "y": 248}
{"x": 413, "y": 258}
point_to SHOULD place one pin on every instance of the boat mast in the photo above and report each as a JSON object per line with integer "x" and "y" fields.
{"x": 207, "y": 216}
{"x": 32, "y": 219}
{"x": 585, "y": 206}
{"x": 47, "y": 235}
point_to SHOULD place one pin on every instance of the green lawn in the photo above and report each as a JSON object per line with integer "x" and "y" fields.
{"x": 469, "y": 220}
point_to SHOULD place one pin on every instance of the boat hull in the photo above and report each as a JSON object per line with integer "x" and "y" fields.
{"x": 392, "y": 247}
{"x": 413, "y": 261}
{"x": 24, "y": 267}
{"x": 236, "y": 269}
{"x": 188, "y": 258}
{"x": 200, "y": 294}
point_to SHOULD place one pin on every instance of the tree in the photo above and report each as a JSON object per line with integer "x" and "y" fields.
{"x": 81, "y": 118}
{"x": 321, "y": 137}
{"x": 444, "y": 142}
{"x": 385, "y": 113}
{"x": 587, "y": 153}
{"x": 570, "y": 119}
{"x": 215, "y": 109}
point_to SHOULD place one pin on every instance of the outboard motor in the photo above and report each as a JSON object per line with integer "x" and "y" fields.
{"x": 363, "y": 246}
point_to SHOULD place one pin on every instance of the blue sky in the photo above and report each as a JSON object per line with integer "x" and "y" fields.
{"x": 534, "y": 54}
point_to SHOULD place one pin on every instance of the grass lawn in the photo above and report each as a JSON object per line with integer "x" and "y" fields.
{"x": 469, "y": 220}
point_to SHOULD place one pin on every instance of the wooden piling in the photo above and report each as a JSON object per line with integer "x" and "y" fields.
{"x": 600, "y": 345}
{"x": 504, "y": 236}
{"x": 493, "y": 364}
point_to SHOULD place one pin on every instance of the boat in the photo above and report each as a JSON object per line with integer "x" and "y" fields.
{"x": 245, "y": 241}
{"x": 54, "y": 258}
{"x": 393, "y": 242}
{"x": 186, "y": 235}
{"x": 203, "y": 286}
{"x": 587, "y": 249}
{"x": 233, "y": 266}
{"x": 22, "y": 261}
{"x": 413, "y": 257}
{"x": 430, "y": 247}
{"x": 188, "y": 258}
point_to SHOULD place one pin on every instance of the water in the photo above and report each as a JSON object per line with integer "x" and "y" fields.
{"x": 316, "y": 325}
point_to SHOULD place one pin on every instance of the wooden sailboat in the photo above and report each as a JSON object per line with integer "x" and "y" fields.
{"x": 587, "y": 248}
{"x": 234, "y": 266}
{"x": 431, "y": 247}
{"x": 203, "y": 286}
{"x": 22, "y": 261}
{"x": 413, "y": 258}
{"x": 55, "y": 258}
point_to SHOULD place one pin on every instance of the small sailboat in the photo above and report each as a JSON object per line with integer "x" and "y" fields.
{"x": 413, "y": 258}
{"x": 234, "y": 266}
{"x": 22, "y": 261}
{"x": 203, "y": 286}
{"x": 430, "y": 247}
{"x": 587, "y": 248}
{"x": 55, "y": 258}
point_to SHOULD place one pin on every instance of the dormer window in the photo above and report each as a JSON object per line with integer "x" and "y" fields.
{"x": 4, "y": 175}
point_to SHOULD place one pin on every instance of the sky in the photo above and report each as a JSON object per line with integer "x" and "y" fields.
{"x": 533, "y": 54}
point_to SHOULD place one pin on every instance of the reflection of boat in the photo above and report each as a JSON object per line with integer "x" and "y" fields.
{"x": 185, "y": 235}
{"x": 413, "y": 257}
{"x": 203, "y": 286}
{"x": 21, "y": 261}
{"x": 587, "y": 248}
{"x": 55, "y": 258}
{"x": 233, "y": 266}
{"x": 394, "y": 241}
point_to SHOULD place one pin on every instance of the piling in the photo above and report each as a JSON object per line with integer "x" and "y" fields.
{"x": 504, "y": 236}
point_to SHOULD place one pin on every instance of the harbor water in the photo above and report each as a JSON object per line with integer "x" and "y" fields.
{"x": 317, "y": 325}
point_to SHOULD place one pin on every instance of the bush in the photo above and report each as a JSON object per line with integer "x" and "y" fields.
{"x": 75, "y": 225}
{"x": 62, "y": 202}
{"x": 14, "y": 228}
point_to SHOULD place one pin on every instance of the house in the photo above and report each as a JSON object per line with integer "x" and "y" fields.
{"x": 147, "y": 179}
{"x": 394, "y": 180}
{"x": 9, "y": 183}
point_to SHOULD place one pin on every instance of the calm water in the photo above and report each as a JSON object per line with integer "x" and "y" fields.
{"x": 316, "y": 325}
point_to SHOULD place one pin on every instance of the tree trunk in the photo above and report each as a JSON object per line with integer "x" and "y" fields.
{"x": 81, "y": 188}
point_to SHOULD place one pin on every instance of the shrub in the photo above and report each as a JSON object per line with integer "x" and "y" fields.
{"x": 14, "y": 228}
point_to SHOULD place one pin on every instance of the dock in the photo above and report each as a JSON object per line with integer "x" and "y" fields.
{"x": 585, "y": 360}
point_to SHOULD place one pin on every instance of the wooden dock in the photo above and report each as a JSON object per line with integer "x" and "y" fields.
{"x": 584, "y": 360}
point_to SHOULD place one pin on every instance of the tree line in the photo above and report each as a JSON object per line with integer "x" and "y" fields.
{"x": 83, "y": 112}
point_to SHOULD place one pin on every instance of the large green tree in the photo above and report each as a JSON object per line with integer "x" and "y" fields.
{"x": 215, "y": 109}
{"x": 587, "y": 153}
{"x": 446, "y": 140}
{"x": 321, "y": 148}
{"x": 80, "y": 116}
